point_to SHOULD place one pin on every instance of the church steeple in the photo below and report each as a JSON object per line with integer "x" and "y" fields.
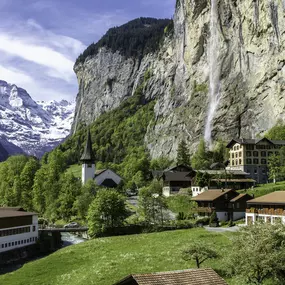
{"x": 88, "y": 155}
{"x": 88, "y": 161}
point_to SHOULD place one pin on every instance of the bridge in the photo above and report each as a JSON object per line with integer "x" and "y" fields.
{"x": 64, "y": 230}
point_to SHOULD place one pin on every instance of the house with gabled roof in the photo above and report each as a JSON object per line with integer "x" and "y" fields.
{"x": 200, "y": 276}
{"x": 174, "y": 178}
{"x": 227, "y": 203}
{"x": 104, "y": 177}
{"x": 269, "y": 208}
{"x": 251, "y": 156}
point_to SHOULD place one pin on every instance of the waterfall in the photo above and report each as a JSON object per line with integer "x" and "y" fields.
{"x": 214, "y": 72}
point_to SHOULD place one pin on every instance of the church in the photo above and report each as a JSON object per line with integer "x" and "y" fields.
{"x": 103, "y": 177}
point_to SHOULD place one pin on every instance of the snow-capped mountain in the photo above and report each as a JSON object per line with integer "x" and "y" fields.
{"x": 31, "y": 127}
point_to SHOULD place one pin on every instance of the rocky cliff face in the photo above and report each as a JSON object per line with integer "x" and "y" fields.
{"x": 250, "y": 65}
{"x": 31, "y": 127}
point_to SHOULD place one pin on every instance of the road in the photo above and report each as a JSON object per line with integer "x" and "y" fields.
{"x": 222, "y": 230}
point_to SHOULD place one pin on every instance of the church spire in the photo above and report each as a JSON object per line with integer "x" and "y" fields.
{"x": 88, "y": 155}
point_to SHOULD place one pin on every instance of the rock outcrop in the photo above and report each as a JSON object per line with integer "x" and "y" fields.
{"x": 251, "y": 65}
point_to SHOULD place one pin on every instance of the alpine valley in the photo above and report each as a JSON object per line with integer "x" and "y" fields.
{"x": 241, "y": 63}
{"x": 31, "y": 127}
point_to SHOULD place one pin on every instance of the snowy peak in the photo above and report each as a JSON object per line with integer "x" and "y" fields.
{"x": 34, "y": 127}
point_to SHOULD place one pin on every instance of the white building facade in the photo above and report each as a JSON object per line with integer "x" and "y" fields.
{"x": 269, "y": 208}
{"x": 17, "y": 229}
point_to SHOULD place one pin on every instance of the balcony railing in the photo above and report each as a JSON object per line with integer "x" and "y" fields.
{"x": 205, "y": 209}
{"x": 267, "y": 211}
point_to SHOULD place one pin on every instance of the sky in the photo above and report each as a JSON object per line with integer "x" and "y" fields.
{"x": 41, "y": 39}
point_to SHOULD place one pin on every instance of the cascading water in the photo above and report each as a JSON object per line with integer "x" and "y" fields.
{"x": 214, "y": 71}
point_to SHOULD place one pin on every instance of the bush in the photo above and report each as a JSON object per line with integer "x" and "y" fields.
{"x": 203, "y": 221}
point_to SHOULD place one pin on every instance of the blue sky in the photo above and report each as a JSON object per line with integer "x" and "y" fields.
{"x": 40, "y": 40}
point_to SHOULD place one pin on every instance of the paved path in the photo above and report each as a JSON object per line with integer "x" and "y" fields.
{"x": 222, "y": 230}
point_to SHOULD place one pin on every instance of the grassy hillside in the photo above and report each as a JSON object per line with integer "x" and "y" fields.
{"x": 75, "y": 169}
{"x": 265, "y": 189}
{"x": 107, "y": 260}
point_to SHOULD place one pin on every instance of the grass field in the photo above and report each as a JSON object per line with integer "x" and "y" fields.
{"x": 75, "y": 169}
{"x": 265, "y": 189}
{"x": 107, "y": 260}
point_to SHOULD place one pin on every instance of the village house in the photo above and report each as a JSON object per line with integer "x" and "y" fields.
{"x": 104, "y": 177}
{"x": 228, "y": 178}
{"x": 268, "y": 208}
{"x": 17, "y": 228}
{"x": 251, "y": 156}
{"x": 227, "y": 203}
{"x": 179, "y": 277}
{"x": 175, "y": 178}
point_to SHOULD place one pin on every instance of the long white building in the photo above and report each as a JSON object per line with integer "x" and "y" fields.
{"x": 17, "y": 228}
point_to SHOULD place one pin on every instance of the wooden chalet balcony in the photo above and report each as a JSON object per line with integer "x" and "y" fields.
{"x": 205, "y": 209}
{"x": 267, "y": 211}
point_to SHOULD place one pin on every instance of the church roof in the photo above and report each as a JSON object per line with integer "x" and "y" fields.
{"x": 88, "y": 155}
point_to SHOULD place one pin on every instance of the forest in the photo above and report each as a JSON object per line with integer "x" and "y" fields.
{"x": 133, "y": 39}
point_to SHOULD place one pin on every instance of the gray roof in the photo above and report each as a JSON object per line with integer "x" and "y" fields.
{"x": 254, "y": 141}
{"x": 233, "y": 172}
{"x": 176, "y": 176}
{"x": 88, "y": 155}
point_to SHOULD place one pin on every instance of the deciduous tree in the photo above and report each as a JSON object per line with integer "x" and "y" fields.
{"x": 199, "y": 252}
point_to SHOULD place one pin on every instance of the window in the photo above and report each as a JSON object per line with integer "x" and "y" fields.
{"x": 236, "y": 154}
{"x": 239, "y": 162}
{"x": 34, "y": 228}
{"x": 233, "y": 155}
{"x": 263, "y": 153}
{"x": 237, "y": 205}
{"x": 255, "y": 171}
{"x": 233, "y": 162}
{"x": 89, "y": 165}
{"x": 255, "y": 153}
{"x": 236, "y": 162}
{"x": 248, "y": 153}
{"x": 240, "y": 154}
{"x": 263, "y": 161}
{"x": 248, "y": 161}
{"x": 270, "y": 153}
{"x": 237, "y": 147}
{"x": 250, "y": 147}
{"x": 255, "y": 161}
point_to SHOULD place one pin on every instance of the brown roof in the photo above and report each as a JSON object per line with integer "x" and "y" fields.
{"x": 203, "y": 276}
{"x": 10, "y": 214}
{"x": 277, "y": 197}
{"x": 240, "y": 196}
{"x": 211, "y": 195}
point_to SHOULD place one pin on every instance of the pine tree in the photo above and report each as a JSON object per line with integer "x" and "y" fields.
{"x": 183, "y": 156}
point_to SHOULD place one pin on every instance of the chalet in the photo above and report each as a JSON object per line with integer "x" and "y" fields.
{"x": 251, "y": 156}
{"x": 104, "y": 177}
{"x": 181, "y": 277}
{"x": 229, "y": 178}
{"x": 175, "y": 178}
{"x": 268, "y": 208}
{"x": 17, "y": 228}
{"x": 228, "y": 204}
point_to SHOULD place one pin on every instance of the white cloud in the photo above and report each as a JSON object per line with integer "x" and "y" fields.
{"x": 58, "y": 65}
{"x": 15, "y": 76}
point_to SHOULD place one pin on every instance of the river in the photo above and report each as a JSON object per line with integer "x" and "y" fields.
{"x": 67, "y": 238}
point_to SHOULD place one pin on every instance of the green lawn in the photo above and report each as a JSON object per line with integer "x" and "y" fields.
{"x": 107, "y": 260}
{"x": 265, "y": 189}
{"x": 75, "y": 169}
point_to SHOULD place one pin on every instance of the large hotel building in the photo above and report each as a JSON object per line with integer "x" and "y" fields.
{"x": 251, "y": 156}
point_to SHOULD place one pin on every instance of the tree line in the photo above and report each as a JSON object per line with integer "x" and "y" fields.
{"x": 133, "y": 39}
